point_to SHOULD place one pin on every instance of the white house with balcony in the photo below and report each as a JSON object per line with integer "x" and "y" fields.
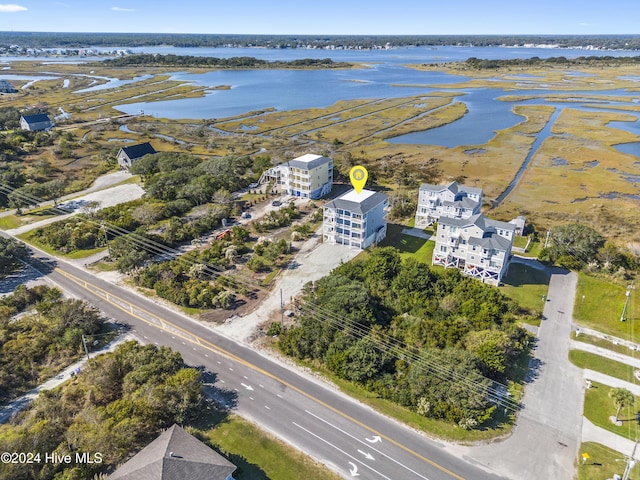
{"x": 308, "y": 176}
{"x": 477, "y": 245}
{"x": 356, "y": 219}
{"x": 452, "y": 200}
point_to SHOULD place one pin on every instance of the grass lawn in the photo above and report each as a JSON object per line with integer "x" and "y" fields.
{"x": 602, "y": 463}
{"x": 599, "y": 304}
{"x": 603, "y": 365}
{"x": 598, "y": 407}
{"x": 498, "y": 426}
{"x": 408, "y": 245}
{"x": 9, "y": 222}
{"x": 520, "y": 241}
{"x": 259, "y": 456}
{"x": 526, "y": 285}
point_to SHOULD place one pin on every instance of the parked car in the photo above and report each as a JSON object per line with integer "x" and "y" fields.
{"x": 246, "y": 215}
{"x": 254, "y": 185}
{"x": 276, "y": 203}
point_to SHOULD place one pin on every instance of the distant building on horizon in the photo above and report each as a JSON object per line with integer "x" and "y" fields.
{"x": 478, "y": 246}
{"x": 307, "y": 176}
{"x": 36, "y": 123}
{"x": 451, "y": 200}
{"x": 175, "y": 455}
{"x": 127, "y": 156}
{"x": 356, "y": 219}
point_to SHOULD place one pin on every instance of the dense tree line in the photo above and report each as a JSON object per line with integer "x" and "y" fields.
{"x": 117, "y": 404}
{"x": 79, "y": 40}
{"x": 46, "y": 337}
{"x": 608, "y": 61}
{"x": 394, "y": 326}
{"x": 214, "y": 62}
{"x": 12, "y": 253}
{"x": 577, "y": 246}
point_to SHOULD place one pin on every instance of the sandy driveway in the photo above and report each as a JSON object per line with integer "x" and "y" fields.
{"x": 314, "y": 261}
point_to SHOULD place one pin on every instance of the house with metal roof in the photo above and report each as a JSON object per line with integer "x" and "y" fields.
{"x": 128, "y": 155}
{"x": 453, "y": 200}
{"x": 176, "y": 455}
{"x": 36, "y": 123}
{"x": 479, "y": 246}
{"x": 356, "y": 219}
{"x": 7, "y": 87}
{"x": 308, "y": 176}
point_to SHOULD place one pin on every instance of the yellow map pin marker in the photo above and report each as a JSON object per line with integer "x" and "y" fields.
{"x": 358, "y": 175}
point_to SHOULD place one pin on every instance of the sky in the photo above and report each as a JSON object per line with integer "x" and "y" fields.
{"x": 329, "y": 17}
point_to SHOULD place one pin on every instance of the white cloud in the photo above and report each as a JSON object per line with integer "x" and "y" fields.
{"x": 120, "y": 9}
{"x": 11, "y": 8}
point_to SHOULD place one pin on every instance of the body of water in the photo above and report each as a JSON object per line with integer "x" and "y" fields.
{"x": 386, "y": 76}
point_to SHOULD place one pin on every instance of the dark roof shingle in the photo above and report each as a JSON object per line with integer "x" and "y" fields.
{"x": 175, "y": 455}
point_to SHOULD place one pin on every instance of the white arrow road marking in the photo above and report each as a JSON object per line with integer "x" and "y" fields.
{"x": 341, "y": 451}
{"x": 367, "y": 455}
{"x": 353, "y": 470}
{"x": 368, "y": 446}
{"x": 248, "y": 387}
{"x": 374, "y": 439}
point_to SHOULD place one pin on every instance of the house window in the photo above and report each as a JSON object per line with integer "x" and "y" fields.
{"x": 443, "y": 248}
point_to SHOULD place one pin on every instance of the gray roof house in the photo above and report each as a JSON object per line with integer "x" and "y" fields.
{"x": 128, "y": 155}
{"x": 175, "y": 455}
{"x": 479, "y": 246}
{"x": 452, "y": 200}
{"x": 356, "y": 219}
{"x": 35, "y": 123}
{"x": 7, "y": 87}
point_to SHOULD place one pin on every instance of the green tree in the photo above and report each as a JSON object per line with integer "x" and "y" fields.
{"x": 12, "y": 253}
{"x": 575, "y": 244}
{"x": 621, "y": 398}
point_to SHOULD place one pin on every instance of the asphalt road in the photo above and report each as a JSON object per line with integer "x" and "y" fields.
{"x": 348, "y": 437}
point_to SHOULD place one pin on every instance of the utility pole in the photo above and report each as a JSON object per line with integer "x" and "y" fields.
{"x": 626, "y": 302}
{"x": 84, "y": 343}
{"x": 281, "y": 311}
{"x": 630, "y": 463}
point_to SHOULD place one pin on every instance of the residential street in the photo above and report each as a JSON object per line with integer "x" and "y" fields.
{"x": 545, "y": 441}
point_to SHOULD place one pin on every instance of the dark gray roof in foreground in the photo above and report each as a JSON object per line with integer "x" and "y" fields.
{"x": 191, "y": 460}
{"x": 491, "y": 241}
{"x": 138, "y": 151}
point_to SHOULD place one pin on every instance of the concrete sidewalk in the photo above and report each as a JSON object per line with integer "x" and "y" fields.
{"x": 22, "y": 402}
{"x": 416, "y": 232}
{"x": 593, "y": 433}
{"x": 603, "y": 352}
